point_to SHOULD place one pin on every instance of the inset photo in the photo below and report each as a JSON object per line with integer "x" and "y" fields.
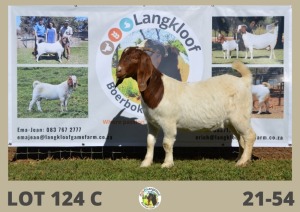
{"x": 267, "y": 90}
{"x": 52, "y": 92}
{"x": 52, "y": 40}
{"x": 253, "y": 40}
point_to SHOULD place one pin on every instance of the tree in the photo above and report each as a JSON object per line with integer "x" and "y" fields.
{"x": 28, "y": 22}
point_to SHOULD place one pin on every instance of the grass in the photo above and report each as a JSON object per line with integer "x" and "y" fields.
{"x": 77, "y": 103}
{"x": 128, "y": 169}
{"x": 259, "y": 57}
{"x": 129, "y": 86}
{"x": 79, "y": 55}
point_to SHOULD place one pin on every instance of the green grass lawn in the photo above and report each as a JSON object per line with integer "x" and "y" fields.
{"x": 259, "y": 57}
{"x": 79, "y": 55}
{"x": 77, "y": 103}
{"x": 128, "y": 169}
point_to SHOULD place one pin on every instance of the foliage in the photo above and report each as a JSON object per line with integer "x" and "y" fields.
{"x": 177, "y": 44}
{"x": 28, "y": 22}
{"x": 129, "y": 87}
{"x": 227, "y": 24}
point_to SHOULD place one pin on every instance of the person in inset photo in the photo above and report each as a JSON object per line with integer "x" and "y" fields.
{"x": 66, "y": 31}
{"x": 39, "y": 33}
{"x": 51, "y": 35}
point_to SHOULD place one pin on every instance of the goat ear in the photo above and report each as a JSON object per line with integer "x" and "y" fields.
{"x": 144, "y": 72}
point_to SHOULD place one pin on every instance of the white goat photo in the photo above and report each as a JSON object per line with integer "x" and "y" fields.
{"x": 253, "y": 39}
{"x": 48, "y": 91}
{"x": 168, "y": 104}
{"x": 263, "y": 41}
{"x": 51, "y": 48}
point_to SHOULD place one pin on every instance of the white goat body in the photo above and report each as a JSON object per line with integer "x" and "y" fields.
{"x": 48, "y": 91}
{"x": 197, "y": 106}
{"x": 228, "y": 46}
{"x": 56, "y": 48}
{"x": 261, "y": 93}
{"x": 262, "y": 41}
{"x": 222, "y": 101}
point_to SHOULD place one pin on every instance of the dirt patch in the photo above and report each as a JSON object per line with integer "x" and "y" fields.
{"x": 266, "y": 153}
{"x": 276, "y": 109}
{"x": 11, "y": 153}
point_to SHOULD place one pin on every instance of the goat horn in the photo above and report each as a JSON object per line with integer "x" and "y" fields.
{"x": 146, "y": 49}
{"x": 119, "y": 81}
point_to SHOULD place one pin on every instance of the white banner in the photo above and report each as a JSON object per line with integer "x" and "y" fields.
{"x": 62, "y": 65}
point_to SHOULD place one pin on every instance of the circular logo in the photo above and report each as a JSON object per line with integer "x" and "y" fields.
{"x": 115, "y": 34}
{"x": 150, "y": 198}
{"x": 178, "y": 53}
{"x": 107, "y": 47}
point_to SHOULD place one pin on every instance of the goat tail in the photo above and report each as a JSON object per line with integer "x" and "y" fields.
{"x": 243, "y": 70}
{"x": 35, "y": 83}
{"x": 266, "y": 84}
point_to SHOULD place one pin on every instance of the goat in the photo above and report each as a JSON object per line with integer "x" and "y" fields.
{"x": 261, "y": 93}
{"x": 47, "y": 91}
{"x": 228, "y": 46}
{"x": 107, "y": 47}
{"x": 57, "y": 47}
{"x": 251, "y": 41}
{"x": 169, "y": 104}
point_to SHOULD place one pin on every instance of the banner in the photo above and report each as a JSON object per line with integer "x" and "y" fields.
{"x": 63, "y": 61}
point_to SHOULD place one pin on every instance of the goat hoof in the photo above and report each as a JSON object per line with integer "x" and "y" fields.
{"x": 237, "y": 159}
{"x": 146, "y": 164}
{"x": 167, "y": 165}
{"x": 241, "y": 163}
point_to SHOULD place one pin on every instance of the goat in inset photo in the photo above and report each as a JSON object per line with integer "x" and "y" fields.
{"x": 54, "y": 48}
{"x": 263, "y": 41}
{"x": 261, "y": 93}
{"x": 48, "y": 91}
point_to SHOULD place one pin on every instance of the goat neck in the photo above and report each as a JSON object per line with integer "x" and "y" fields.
{"x": 154, "y": 92}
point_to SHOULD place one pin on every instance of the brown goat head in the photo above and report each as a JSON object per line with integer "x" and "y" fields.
{"x": 137, "y": 64}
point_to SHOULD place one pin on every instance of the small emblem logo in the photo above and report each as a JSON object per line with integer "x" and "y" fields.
{"x": 150, "y": 198}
